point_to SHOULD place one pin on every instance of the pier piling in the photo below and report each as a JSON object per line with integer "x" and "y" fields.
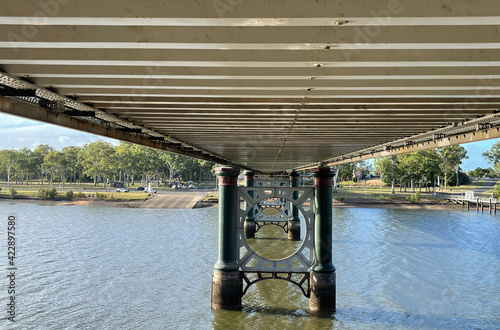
{"x": 227, "y": 284}
{"x": 323, "y": 276}
{"x": 294, "y": 221}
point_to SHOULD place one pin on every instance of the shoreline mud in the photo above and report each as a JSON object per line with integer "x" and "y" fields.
{"x": 346, "y": 203}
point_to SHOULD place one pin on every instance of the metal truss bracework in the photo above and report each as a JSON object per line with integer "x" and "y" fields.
{"x": 283, "y": 224}
{"x": 299, "y": 262}
{"x": 271, "y": 183}
{"x": 272, "y": 211}
{"x": 286, "y": 276}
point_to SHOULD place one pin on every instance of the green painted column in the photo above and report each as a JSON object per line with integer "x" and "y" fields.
{"x": 294, "y": 221}
{"x": 323, "y": 277}
{"x": 227, "y": 285}
{"x": 249, "y": 226}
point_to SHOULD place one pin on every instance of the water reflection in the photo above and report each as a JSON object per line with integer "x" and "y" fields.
{"x": 98, "y": 268}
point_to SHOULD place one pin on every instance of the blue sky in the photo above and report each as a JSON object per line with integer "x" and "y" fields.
{"x": 17, "y": 133}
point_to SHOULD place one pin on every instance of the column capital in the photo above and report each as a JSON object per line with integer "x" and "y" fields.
{"x": 227, "y": 176}
{"x": 323, "y": 176}
{"x": 249, "y": 174}
{"x": 294, "y": 175}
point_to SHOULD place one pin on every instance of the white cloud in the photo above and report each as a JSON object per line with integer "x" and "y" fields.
{"x": 18, "y": 133}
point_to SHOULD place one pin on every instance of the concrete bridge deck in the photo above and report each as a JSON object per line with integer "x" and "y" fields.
{"x": 259, "y": 85}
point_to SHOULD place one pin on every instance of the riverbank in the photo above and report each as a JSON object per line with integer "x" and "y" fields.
{"x": 179, "y": 199}
{"x": 107, "y": 202}
{"x": 364, "y": 202}
{"x": 347, "y": 202}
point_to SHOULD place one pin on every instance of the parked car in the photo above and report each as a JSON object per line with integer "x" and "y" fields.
{"x": 122, "y": 190}
{"x": 192, "y": 186}
{"x": 152, "y": 191}
{"x": 140, "y": 188}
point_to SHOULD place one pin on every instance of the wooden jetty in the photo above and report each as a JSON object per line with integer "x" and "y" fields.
{"x": 479, "y": 203}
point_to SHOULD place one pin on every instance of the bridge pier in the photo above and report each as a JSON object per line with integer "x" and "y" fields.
{"x": 323, "y": 276}
{"x": 227, "y": 284}
{"x": 229, "y": 280}
{"x": 250, "y": 225}
{"x": 294, "y": 221}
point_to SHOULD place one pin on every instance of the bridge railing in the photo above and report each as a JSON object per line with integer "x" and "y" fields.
{"x": 475, "y": 199}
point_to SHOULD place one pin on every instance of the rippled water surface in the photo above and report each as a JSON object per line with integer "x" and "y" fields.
{"x": 86, "y": 267}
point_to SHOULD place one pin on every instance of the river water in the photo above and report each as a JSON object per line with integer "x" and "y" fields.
{"x": 89, "y": 267}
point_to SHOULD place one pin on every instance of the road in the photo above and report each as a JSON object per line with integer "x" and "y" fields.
{"x": 175, "y": 199}
{"x": 487, "y": 185}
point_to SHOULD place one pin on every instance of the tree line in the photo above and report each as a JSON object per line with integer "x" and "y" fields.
{"x": 100, "y": 162}
{"x": 426, "y": 168}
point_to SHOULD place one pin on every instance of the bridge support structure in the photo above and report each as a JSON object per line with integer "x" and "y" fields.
{"x": 323, "y": 276}
{"x": 294, "y": 220}
{"x": 250, "y": 225}
{"x": 310, "y": 267}
{"x": 227, "y": 284}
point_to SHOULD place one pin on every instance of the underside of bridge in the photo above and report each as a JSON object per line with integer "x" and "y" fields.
{"x": 262, "y": 85}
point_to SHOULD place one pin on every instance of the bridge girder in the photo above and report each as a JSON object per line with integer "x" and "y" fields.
{"x": 268, "y": 86}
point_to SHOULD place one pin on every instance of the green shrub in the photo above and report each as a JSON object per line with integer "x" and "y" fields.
{"x": 43, "y": 193}
{"x": 340, "y": 199}
{"x": 100, "y": 196}
{"x": 52, "y": 193}
{"x": 70, "y": 194}
{"x": 12, "y": 192}
{"x": 496, "y": 192}
{"x": 414, "y": 197}
{"x": 80, "y": 195}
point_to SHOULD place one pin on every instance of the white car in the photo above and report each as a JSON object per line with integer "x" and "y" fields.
{"x": 192, "y": 186}
{"x": 122, "y": 190}
{"x": 152, "y": 191}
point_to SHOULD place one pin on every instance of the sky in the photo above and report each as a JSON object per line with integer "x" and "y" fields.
{"x": 18, "y": 133}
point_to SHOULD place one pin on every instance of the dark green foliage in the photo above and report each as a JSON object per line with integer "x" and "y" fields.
{"x": 69, "y": 194}
{"x": 12, "y": 193}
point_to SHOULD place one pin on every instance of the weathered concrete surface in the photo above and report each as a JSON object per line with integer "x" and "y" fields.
{"x": 323, "y": 292}
{"x": 176, "y": 199}
{"x": 227, "y": 288}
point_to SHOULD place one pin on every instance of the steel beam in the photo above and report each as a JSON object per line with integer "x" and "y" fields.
{"x": 34, "y": 112}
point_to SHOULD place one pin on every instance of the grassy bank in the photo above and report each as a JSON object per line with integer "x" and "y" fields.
{"x": 77, "y": 195}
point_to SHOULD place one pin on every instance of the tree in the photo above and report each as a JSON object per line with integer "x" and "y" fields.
{"x": 409, "y": 169}
{"x": 451, "y": 158}
{"x": 173, "y": 163}
{"x": 126, "y": 158}
{"x": 72, "y": 159}
{"x": 429, "y": 162}
{"x": 347, "y": 171}
{"x": 37, "y": 157}
{"x": 389, "y": 170}
{"x": 98, "y": 160}
{"x": 359, "y": 171}
{"x": 493, "y": 155}
{"x": 8, "y": 160}
{"x": 55, "y": 162}
{"x": 384, "y": 166}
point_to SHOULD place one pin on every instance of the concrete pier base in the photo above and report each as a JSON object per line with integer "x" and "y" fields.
{"x": 249, "y": 228}
{"x": 294, "y": 230}
{"x": 323, "y": 292}
{"x": 227, "y": 290}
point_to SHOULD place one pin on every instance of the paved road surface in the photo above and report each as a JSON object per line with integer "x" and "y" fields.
{"x": 177, "y": 199}
{"x": 487, "y": 185}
